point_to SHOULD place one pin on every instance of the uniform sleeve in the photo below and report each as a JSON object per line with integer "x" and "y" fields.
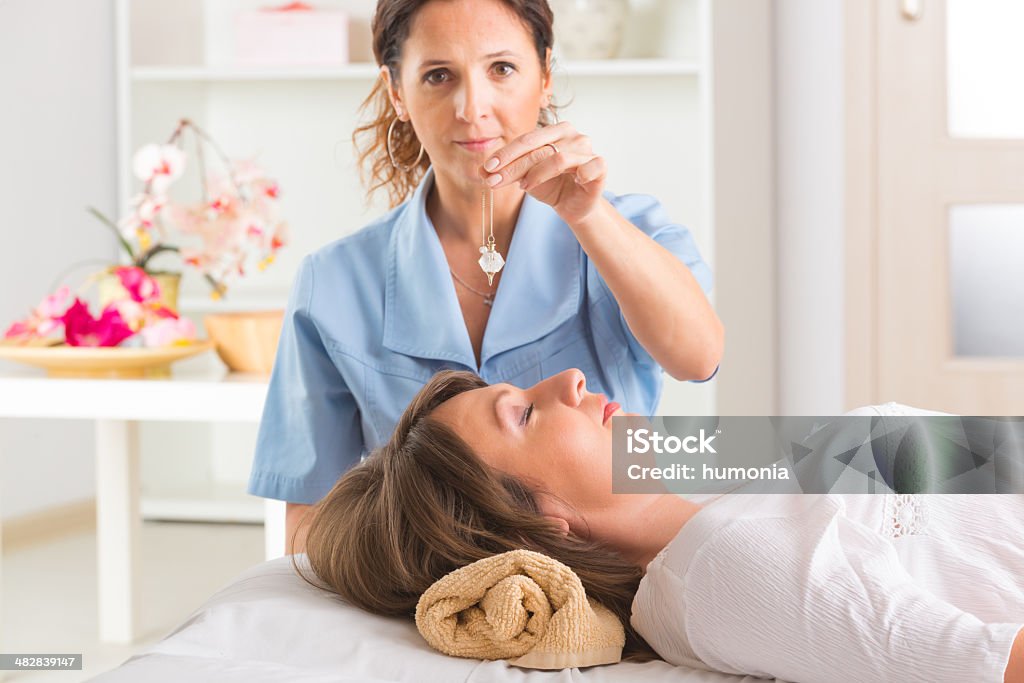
{"x": 647, "y": 214}
{"x": 310, "y": 432}
{"x": 826, "y": 599}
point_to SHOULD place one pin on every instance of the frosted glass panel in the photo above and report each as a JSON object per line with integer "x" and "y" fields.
{"x": 985, "y": 56}
{"x": 986, "y": 256}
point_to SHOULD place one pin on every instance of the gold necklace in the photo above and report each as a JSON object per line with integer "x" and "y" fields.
{"x": 490, "y": 260}
{"x": 488, "y": 298}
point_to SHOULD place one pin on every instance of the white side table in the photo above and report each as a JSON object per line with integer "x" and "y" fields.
{"x": 116, "y": 407}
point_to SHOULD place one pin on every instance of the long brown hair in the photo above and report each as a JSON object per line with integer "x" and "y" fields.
{"x": 391, "y": 25}
{"x": 424, "y": 505}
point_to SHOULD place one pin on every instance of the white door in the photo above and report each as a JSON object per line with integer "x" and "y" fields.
{"x": 950, "y": 205}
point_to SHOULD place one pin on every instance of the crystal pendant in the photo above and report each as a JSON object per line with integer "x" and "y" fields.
{"x": 491, "y": 262}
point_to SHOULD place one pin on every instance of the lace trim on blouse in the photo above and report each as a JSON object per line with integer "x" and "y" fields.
{"x": 905, "y": 515}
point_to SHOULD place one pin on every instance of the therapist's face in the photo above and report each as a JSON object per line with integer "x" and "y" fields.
{"x": 563, "y": 446}
{"x": 472, "y": 93}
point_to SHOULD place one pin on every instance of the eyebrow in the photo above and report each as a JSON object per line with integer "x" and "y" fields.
{"x": 437, "y": 62}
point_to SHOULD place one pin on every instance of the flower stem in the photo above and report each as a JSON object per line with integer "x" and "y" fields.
{"x": 117, "y": 232}
{"x": 218, "y": 287}
{"x": 145, "y": 256}
{"x": 202, "y": 135}
{"x": 202, "y": 168}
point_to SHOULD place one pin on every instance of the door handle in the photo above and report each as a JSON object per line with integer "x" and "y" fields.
{"x": 911, "y": 9}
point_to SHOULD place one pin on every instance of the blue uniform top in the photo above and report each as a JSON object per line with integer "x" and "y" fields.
{"x": 371, "y": 317}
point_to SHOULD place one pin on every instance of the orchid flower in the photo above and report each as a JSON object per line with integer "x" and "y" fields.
{"x": 235, "y": 225}
{"x": 158, "y": 166}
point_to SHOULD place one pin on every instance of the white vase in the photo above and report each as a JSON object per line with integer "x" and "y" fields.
{"x": 589, "y": 29}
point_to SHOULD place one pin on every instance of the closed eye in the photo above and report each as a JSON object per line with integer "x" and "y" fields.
{"x": 526, "y": 415}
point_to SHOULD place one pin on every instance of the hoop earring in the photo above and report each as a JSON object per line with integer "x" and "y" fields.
{"x": 547, "y": 117}
{"x": 391, "y": 155}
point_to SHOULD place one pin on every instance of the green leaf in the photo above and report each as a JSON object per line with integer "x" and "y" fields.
{"x": 117, "y": 233}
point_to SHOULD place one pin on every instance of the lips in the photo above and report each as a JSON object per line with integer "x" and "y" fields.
{"x": 476, "y": 145}
{"x": 609, "y": 409}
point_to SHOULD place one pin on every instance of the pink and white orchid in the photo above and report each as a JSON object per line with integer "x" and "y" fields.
{"x": 158, "y": 166}
{"x": 234, "y": 227}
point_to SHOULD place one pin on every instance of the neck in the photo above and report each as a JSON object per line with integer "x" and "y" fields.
{"x": 663, "y": 516}
{"x": 455, "y": 210}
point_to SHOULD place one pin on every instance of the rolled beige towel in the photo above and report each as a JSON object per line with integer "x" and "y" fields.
{"x": 521, "y": 606}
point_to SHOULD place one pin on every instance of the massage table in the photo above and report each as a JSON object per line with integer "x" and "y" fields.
{"x": 268, "y": 624}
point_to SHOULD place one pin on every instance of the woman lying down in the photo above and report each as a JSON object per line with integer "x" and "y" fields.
{"x": 799, "y": 587}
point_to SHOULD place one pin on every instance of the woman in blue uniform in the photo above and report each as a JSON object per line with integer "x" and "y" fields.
{"x": 591, "y": 280}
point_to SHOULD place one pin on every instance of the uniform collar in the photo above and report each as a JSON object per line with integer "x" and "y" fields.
{"x": 539, "y": 288}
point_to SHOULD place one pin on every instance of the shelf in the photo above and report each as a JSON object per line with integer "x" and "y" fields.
{"x": 159, "y": 74}
{"x": 215, "y": 504}
{"x": 199, "y": 305}
{"x": 365, "y": 71}
{"x": 632, "y": 67}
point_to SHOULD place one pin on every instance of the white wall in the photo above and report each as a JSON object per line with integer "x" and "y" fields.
{"x": 57, "y": 123}
{"x": 743, "y": 134}
{"x": 809, "y": 181}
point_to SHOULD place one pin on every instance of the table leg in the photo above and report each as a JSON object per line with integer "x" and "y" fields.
{"x": 117, "y": 528}
{"x": 1, "y": 590}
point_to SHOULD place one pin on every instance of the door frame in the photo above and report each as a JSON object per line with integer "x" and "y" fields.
{"x": 860, "y": 211}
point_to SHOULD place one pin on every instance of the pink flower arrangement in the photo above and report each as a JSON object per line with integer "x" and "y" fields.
{"x": 140, "y": 313}
{"x": 232, "y": 227}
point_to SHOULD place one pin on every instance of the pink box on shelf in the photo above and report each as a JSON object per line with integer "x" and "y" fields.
{"x": 291, "y": 35}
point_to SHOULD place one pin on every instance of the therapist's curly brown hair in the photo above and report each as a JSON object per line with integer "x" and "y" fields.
{"x": 391, "y": 25}
{"x": 424, "y": 505}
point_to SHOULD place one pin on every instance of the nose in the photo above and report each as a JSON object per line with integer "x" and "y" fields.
{"x": 471, "y": 99}
{"x": 571, "y": 385}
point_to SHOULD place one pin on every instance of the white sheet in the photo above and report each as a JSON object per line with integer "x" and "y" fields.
{"x": 269, "y": 625}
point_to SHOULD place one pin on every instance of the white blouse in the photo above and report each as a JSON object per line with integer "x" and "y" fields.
{"x": 841, "y": 587}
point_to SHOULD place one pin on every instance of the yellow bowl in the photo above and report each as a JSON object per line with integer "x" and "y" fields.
{"x": 246, "y": 341}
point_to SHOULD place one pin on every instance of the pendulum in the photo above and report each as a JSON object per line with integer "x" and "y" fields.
{"x": 490, "y": 260}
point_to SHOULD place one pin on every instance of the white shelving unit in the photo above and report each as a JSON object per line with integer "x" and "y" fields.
{"x": 649, "y": 113}
{"x": 368, "y": 72}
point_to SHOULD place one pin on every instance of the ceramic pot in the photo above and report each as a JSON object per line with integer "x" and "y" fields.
{"x": 110, "y": 289}
{"x": 589, "y": 29}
